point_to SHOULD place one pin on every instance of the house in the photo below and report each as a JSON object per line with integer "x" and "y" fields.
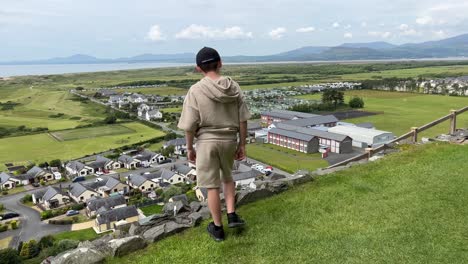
{"x": 108, "y": 187}
{"x": 147, "y": 157}
{"x": 52, "y": 197}
{"x": 180, "y": 145}
{"x": 81, "y": 193}
{"x": 364, "y": 137}
{"x": 77, "y": 168}
{"x": 6, "y": 181}
{"x": 186, "y": 171}
{"x": 98, "y": 204}
{"x": 244, "y": 176}
{"x": 282, "y": 115}
{"x": 142, "y": 183}
{"x": 35, "y": 174}
{"x": 117, "y": 99}
{"x": 141, "y": 108}
{"x": 129, "y": 162}
{"x": 103, "y": 164}
{"x": 137, "y": 98}
{"x": 151, "y": 114}
{"x": 252, "y": 127}
{"x": 171, "y": 177}
{"x": 109, "y": 220}
{"x": 201, "y": 193}
{"x": 326, "y": 121}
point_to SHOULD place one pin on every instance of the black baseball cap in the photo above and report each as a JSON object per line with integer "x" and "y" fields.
{"x": 207, "y": 55}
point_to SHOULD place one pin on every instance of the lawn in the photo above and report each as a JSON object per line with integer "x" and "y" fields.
{"x": 5, "y": 243}
{"x": 285, "y": 159}
{"x": 172, "y": 110}
{"x": 152, "y": 209}
{"x": 401, "y": 111}
{"x": 43, "y": 147}
{"x": 81, "y": 235}
{"x": 15, "y": 190}
{"x": 406, "y": 208}
{"x": 92, "y": 132}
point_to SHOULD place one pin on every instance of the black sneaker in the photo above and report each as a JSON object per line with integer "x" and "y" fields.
{"x": 234, "y": 220}
{"x": 217, "y": 233}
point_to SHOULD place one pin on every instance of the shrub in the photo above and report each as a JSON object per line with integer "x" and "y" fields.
{"x": 77, "y": 207}
{"x": 356, "y": 102}
{"x": 5, "y": 192}
{"x": 172, "y": 191}
{"x": 30, "y": 249}
{"x": 26, "y": 198}
{"x": 10, "y": 256}
{"x": 3, "y": 228}
{"x": 75, "y": 219}
{"x": 2, "y": 207}
{"x": 42, "y": 182}
{"x": 61, "y": 222}
{"x": 14, "y": 224}
{"x": 46, "y": 242}
{"x": 61, "y": 246}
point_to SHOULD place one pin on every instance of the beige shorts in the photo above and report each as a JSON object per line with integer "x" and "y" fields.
{"x": 214, "y": 163}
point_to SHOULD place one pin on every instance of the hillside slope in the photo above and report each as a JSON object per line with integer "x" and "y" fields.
{"x": 407, "y": 208}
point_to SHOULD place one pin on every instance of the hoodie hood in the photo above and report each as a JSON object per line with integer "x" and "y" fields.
{"x": 223, "y": 90}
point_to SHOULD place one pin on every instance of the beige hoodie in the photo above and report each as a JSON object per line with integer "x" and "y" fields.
{"x": 214, "y": 109}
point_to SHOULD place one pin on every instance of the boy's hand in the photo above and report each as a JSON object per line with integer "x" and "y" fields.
{"x": 240, "y": 153}
{"x": 191, "y": 155}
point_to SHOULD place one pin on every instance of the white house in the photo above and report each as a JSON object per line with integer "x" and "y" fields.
{"x": 180, "y": 145}
{"x": 141, "y": 108}
{"x": 50, "y": 198}
{"x": 78, "y": 168}
{"x": 137, "y": 98}
{"x": 6, "y": 181}
{"x": 129, "y": 162}
{"x": 81, "y": 193}
{"x": 147, "y": 157}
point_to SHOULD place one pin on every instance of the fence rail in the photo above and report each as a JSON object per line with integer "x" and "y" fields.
{"x": 413, "y": 134}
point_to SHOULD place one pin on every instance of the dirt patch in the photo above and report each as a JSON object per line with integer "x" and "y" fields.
{"x": 351, "y": 114}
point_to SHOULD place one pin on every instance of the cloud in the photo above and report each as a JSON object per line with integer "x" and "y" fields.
{"x": 348, "y": 35}
{"x": 424, "y": 20}
{"x": 305, "y": 29}
{"x": 364, "y": 24}
{"x": 380, "y": 34}
{"x": 439, "y": 34}
{"x": 336, "y": 25}
{"x": 406, "y": 30}
{"x": 403, "y": 27}
{"x": 277, "y": 33}
{"x": 155, "y": 33}
{"x": 347, "y": 26}
{"x": 203, "y": 32}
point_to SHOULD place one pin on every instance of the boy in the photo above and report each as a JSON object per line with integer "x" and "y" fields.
{"x": 214, "y": 112}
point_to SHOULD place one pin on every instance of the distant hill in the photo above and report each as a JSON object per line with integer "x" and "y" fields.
{"x": 451, "y": 47}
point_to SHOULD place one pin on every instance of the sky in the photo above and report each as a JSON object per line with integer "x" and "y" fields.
{"x": 36, "y": 29}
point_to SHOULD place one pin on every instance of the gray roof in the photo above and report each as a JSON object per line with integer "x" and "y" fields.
{"x": 125, "y": 159}
{"x": 4, "y": 177}
{"x": 77, "y": 189}
{"x": 100, "y": 162}
{"x": 365, "y": 125}
{"x": 108, "y": 202}
{"x": 182, "y": 169}
{"x": 50, "y": 193}
{"x": 311, "y": 121}
{"x": 253, "y": 126}
{"x": 167, "y": 174}
{"x": 137, "y": 180}
{"x": 245, "y": 175}
{"x": 286, "y": 114}
{"x": 75, "y": 165}
{"x": 291, "y": 134}
{"x": 34, "y": 172}
{"x": 176, "y": 142}
{"x": 145, "y": 155}
{"x": 40, "y": 193}
{"x": 322, "y": 134}
{"x": 117, "y": 214}
{"x": 112, "y": 182}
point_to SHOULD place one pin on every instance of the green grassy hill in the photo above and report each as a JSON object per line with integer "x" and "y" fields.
{"x": 407, "y": 208}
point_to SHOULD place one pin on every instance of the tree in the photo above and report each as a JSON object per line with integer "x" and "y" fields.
{"x": 356, "y": 102}
{"x": 110, "y": 119}
{"x": 10, "y": 256}
{"x": 46, "y": 242}
{"x": 55, "y": 163}
{"x": 333, "y": 96}
{"x": 172, "y": 191}
{"x": 170, "y": 136}
{"x": 30, "y": 249}
{"x": 168, "y": 151}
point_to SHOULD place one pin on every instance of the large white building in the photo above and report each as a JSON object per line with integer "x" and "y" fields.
{"x": 363, "y": 137}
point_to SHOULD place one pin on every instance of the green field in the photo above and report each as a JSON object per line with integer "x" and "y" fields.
{"x": 401, "y": 111}
{"x": 91, "y": 132}
{"x": 405, "y": 208}
{"x": 161, "y": 91}
{"x": 172, "y": 110}
{"x": 285, "y": 159}
{"x": 43, "y": 147}
{"x": 81, "y": 235}
{"x": 152, "y": 209}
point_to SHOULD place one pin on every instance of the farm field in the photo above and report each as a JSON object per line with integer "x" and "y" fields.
{"x": 91, "y": 132}
{"x": 172, "y": 110}
{"x": 162, "y": 91}
{"x": 285, "y": 159}
{"x": 401, "y": 111}
{"x": 43, "y": 147}
{"x": 372, "y": 213}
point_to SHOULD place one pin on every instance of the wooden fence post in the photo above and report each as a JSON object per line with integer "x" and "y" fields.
{"x": 369, "y": 152}
{"x": 415, "y": 134}
{"x": 453, "y": 121}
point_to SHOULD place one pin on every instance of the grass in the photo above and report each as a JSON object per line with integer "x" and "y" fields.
{"x": 161, "y": 91}
{"x": 401, "y": 111}
{"x": 42, "y": 147}
{"x": 80, "y": 235}
{"x": 92, "y": 132}
{"x": 406, "y": 208}
{"x": 155, "y": 147}
{"x": 4, "y": 243}
{"x": 16, "y": 189}
{"x": 152, "y": 209}
{"x": 172, "y": 110}
{"x": 285, "y": 159}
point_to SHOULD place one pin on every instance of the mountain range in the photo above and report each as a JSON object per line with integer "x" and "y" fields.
{"x": 445, "y": 48}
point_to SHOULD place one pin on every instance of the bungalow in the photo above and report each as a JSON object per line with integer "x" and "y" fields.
{"x": 171, "y": 177}
{"x": 180, "y": 145}
{"x": 244, "y": 176}
{"x": 137, "y": 98}
{"x": 141, "y": 183}
{"x": 102, "y": 164}
{"x": 77, "y": 168}
{"x": 147, "y": 157}
{"x": 81, "y": 193}
{"x": 98, "y": 204}
{"x": 201, "y": 193}
{"x": 117, "y": 99}
{"x": 6, "y": 181}
{"x": 35, "y": 174}
{"x": 53, "y": 197}
{"x": 109, "y": 220}
{"x": 109, "y": 187}
{"x": 141, "y": 108}
{"x": 151, "y": 114}
{"x": 129, "y": 162}
{"x": 186, "y": 171}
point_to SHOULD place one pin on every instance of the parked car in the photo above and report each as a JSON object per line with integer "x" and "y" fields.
{"x": 99, "y": 179}
{"x": 165, "y": 161}
{"x": 72, "y": 212}
{"x": 79, "y": 179}
{"x": 36, "y": 184}
{"x": 99, "y": 173}
{"x": 8, "y": 216}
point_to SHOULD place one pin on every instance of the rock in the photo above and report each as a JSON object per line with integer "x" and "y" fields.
{"x": 154, "y": 234}
{"x": 178, "y": 205}
{"x": 182, "y": 197}
{"x": 79, "y": 256}
{"x": 155, "y": 219}
{"x": 172, "y": 228}
{"x": 248, "y": 196}
{"x": 195, "y": 206}
{"x": 195, "y": 218}
{"x": 183, "y": 219}
{"x": 124, "y": 246}
{"x": 134, "y": 230}
{"x": 278, "y": 186}
{"x": 205, "y": 212}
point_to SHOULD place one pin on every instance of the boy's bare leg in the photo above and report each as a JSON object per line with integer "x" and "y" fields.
{"x": 214, "y": 204}
{"x": 230, "y": 196}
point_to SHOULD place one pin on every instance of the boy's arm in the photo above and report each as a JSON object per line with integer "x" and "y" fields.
{"x": 191, "y": 155}
{"x": 241, "y": 152}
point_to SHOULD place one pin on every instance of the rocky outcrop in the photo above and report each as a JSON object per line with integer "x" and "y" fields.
{"x": 79, "y": 255}
{"x": 124, "y": 246}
